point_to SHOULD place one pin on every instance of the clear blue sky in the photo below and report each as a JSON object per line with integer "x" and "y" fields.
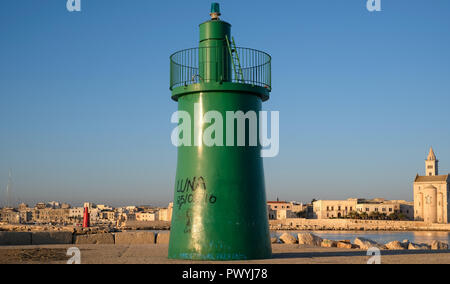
{"x": 85, "y": 106}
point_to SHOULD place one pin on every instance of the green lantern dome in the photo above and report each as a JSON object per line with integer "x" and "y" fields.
{"x": 215, "y": 8}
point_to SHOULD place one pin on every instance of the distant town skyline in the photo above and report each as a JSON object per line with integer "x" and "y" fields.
{"x": 86, "y": 106}
{"x": 159, "y": 204}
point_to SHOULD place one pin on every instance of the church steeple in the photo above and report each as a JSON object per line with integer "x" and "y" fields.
{"x": 431, "y": 155}
{"x": 431, "y": 164}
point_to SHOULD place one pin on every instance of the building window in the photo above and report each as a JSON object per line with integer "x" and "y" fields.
{"x": 390, "y": 209}
{"x": 367, "y": 209}
{"x": 339, "y": 208}
{"x": 384, "y": 209}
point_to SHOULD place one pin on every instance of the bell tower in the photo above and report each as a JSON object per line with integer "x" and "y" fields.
{"x": 431, "y": 164}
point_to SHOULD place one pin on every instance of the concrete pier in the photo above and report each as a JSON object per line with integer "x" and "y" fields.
{"x": 158, "y": 254}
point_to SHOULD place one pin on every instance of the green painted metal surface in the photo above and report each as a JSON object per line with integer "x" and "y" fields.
{"x": 220, "y": 210}
{"x": 214, "y": 59}
{"x": 263, "y": 93}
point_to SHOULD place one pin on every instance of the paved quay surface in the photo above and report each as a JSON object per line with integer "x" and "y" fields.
{"x": 157, "y": 254}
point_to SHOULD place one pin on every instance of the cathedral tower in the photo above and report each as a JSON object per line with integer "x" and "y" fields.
{"x": 432, "y": 194}
{"x": 431, "y": 164}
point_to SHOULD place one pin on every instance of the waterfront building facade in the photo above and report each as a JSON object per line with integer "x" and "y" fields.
{"x": 281, "y": 210}
{"x": 147, "y": 216}
{"x": 332, "y": 209}
{"x": 279, "y": 205}
{"x": 328, "y": 209}
{"x": 165, "y": 214}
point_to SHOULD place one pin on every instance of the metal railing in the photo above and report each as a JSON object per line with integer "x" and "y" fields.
{"x": 213, "y": 64}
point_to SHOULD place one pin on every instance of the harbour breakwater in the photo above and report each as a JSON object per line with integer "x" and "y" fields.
{"x": 67, "y": 238}
{"x": 157, "y": 233}
{"x": 298, "y": 224}
{"x": 126, "y": 226}
{"x": 306, "y": 238}
{"x": 151, "y": 238}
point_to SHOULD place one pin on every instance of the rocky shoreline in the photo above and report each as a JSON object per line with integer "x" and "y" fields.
{"x": 298, "y": 224}
{"x": 306, "y": 238}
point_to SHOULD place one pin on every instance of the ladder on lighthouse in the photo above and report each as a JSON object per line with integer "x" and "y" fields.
{"x": 235, "y": 61}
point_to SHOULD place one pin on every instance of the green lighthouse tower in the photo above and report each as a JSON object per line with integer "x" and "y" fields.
{"x": 220, "y": 210}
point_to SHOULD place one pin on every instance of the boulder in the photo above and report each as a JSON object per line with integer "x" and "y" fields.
{"x": 413, "y": 246}
{"x": 51, "y": 238}
{"x": 163, "y": 238}
{"x": 309, "y": 239}
{"x": 437, "y": 245}
{"x": 395, "y": 245}
{"x": 274, "y": 240}
{"x": 94, "y": 239}
{"x": 287, "y": 238}
{"x": 366, "y": 244}
{"x": 135, "y": 238}
{"x": 15, "y": 238}
{"x": 405, "y": 244}
{"x": 345, "y": 245}
{"x": 329, "y": 244}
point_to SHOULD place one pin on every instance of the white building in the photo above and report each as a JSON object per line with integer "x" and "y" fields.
{"x": 165, "y": 214}
{"x": 327, "y": 209}
{"x": 147, "y": 216}
{"x": 281, "y": 210}
{"x": 76, "y": 213}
